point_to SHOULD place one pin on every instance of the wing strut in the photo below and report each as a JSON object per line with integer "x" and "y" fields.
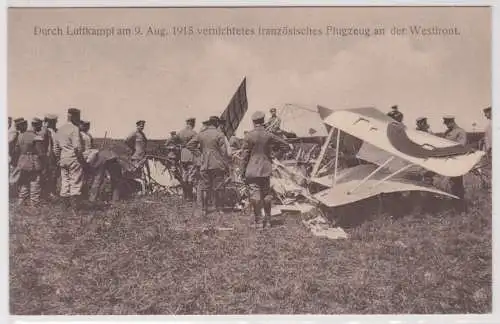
{"x": 336, "y": 157}
{"x": 406, "y": 167}
{"x": 321, "y": 155}
{"x": 371, "y": 174}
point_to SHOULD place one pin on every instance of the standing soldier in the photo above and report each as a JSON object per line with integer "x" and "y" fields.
{"x": 29, "y": 147}
{"x": 88, "y": 150}
{"x": 396, "y": 114}
{"x": 52, "y": 170}
{"x": 422, "y": 125}
{"x": 187, "y": 159}
{"x": 137, "y": 142}
{"x": 13, "y": 133}
{"x": 487, "y": 147}
{"x": 213, "y": 163}
{"x": 487, "y": 141}
{"x": 21, "y": 126}
{"x": 69, "y": 151}
{"x": 456, "y": 134}
{"x": 273, "y": 125}
{"x": 257, "y": 163}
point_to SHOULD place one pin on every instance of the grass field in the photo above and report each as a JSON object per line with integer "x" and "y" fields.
{"x": 153, "y": 255}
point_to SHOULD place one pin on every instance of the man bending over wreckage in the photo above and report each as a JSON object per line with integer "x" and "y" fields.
{"x": 257, "y": 164}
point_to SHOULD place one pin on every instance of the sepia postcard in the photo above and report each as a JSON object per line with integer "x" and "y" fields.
{"x": 250, "y": 160}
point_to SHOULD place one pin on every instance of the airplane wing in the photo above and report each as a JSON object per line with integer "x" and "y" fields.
{"x": 433, "y": 153}
{"x": 351, "y": 186}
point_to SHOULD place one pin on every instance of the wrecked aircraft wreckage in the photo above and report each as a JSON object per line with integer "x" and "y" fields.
{"x": 364, "y": 154}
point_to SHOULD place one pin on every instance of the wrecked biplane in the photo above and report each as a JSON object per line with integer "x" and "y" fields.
{"x": 396, "y": 155}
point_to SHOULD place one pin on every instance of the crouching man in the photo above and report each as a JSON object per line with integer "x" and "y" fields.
{"x": 102, "y": 162}
{"x": 257, "y": 163}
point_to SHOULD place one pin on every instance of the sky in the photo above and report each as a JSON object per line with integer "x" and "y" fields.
{"x": 117, "y": 80}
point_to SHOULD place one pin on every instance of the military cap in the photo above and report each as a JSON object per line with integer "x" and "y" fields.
{"x": 190, "y": 120}
{"x": 448, "y": 118}
{"x": 36, "y": 121}
{"x": 19, "y": 121}
{"x": 173, "y": 133}
{"x": 73, "y": 111}
{"x": 206, "y": 122}
{"x": 487, "y": 109}
{"x": 85, "y": 122}
{"x": 140, "y": 122}
{"x": 50, "y": 117}
{"x": 421, "y": 119}
{"x": 395, "y": 107}
{"x": 258, "y": 115}
{"x": 214, "y": 120}
{"x": 272, "y": 109}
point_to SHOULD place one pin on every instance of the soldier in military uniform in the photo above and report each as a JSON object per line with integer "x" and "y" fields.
{"x": 213, "y": 163}
{"x": 257, "y": 163}
{"x": 88, "y": 151}
{"x": 458, "y": 135}
{"x": 69, "y": 152}
{"x": 187, "y": 159}
{"x": 21, "y": 126}
{"x": 273, "y": 125}
{"x": 137, "y": 142}
{"x": 396, "y": 114}
{"x": 52, "y": 169}
{"x": 29, "y": 148}
{"x": 423, "y": 125}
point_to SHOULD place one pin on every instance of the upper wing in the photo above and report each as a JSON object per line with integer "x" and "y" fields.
{"x": 372, "y": 126}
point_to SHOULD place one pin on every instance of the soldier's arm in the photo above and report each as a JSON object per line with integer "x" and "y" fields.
{"x": 462, "y": 138}
{"x": 246, "y": 150}
{"x": 78, "y": 147}
{"x": 129, "y": 141}
{"x": 193, "y": 143}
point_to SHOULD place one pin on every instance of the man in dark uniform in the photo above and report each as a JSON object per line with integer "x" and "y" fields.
{"x": 52, "y": 170}
{"x": 257, "y": 163}
{"x": 137, "y": 142}
{"x": 29, "y": 148}
{"x": 187, "y": 161}
{"x": 213, "y": 162}
{"x": 458, "y": 135}
{"x": 396, "y": 114}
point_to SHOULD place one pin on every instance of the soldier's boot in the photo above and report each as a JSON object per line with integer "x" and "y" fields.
{"x": 189, "y": 192}
{"x": 257, "y": 209}
{"x": 267, "y": 212}
{"x": 75, "y": 203}
{"x": 204, "y": 203}
{"x": 218, "y": 201}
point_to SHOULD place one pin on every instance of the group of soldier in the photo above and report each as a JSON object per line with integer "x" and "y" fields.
{"x": 205, "y": 160}
{"x": 456, "y": 134}
{"x": 44, "y": 155}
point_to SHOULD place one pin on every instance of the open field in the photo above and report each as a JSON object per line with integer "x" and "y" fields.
{"x": 151, "y": 255}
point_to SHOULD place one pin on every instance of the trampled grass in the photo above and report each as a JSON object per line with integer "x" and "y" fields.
{"x": 156, "y": 256}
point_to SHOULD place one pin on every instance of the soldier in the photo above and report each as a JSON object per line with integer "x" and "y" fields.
{"x": 213, "y": 163}
{"x": 456, "y": 134}
{"x": 396, "y": 114}
{"x": 487, "y": 141}
{"x": 52, "y": 170}
{"x": 29, "y": 147}
{"x": 257, "y": 163}
{"x": 105, "y": 162}
{"x": 187, "y": 159}
{"x": 21, "y": 125}
{"x": 274, "y": 123}
{"x": 422, "y": 125}
{"x": 69, "y": 152}
{"x": 88, "y": 151}
{"x": 13, "y": 134}
{"x": 137, "y": 142}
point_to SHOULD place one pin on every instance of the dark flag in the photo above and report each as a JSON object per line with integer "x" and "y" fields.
{"x": 236, "y": 110}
